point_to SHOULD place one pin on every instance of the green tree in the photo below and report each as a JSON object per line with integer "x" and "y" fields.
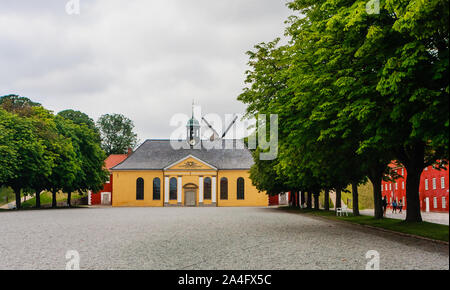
{"x": 15, "y": 103}
{"x": 45, "y": 129}
{"x": 264, "y": 176}
{"x": 79, "y": 118}
{"x": 354, "y": 90}
{"x": 8, "y": 154}
{"x": 89, "y": 160}
{"x": 415, "y": 80}
{"x": 117, "y": 133}
{"x": 24, "y": 152}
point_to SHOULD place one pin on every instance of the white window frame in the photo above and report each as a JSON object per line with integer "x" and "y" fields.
{"x": 434, "y": 183}
{"x": 426, "y": 183}
{"x": 435, "y": 202}
{"x": 444, "y": 202}
{"x": 442, "y": 182}
{"x": 396, "y": 186}
{"x": 403, "y": 185}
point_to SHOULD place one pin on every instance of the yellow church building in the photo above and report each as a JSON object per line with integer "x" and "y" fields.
{"x": 158, "y": 173}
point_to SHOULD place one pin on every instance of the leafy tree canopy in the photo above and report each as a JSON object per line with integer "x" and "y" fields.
{"x": 116, "y": 133}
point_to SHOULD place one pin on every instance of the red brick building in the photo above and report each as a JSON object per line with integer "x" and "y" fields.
{"x": 105, "y": 195}
{"x": 433, "y": 190}
{"x": 279, "y": 199}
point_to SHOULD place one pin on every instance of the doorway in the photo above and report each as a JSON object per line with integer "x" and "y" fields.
{"x": 190, "y": 198}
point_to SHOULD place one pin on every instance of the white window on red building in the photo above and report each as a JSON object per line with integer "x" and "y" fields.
{"x": 435, "y": 202}
{"x": 403, "y": 172}
{"x": 444, "y": 203}
{"x": 385, "y": 186}
{"x": 403, "y": 185}
{"x": 442, "y": 182}
{"x": 426, "y": 184}
{"x": 434, "y": 183}
{"x": 396, "y": 185}
{"x": 390, "y": 186}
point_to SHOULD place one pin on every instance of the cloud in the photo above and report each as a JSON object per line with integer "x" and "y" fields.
{"x": 144, "y": 59}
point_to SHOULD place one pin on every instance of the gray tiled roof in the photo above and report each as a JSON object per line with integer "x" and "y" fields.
{"x": 158, "y": 154}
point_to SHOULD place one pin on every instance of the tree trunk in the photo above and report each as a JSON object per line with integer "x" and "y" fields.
{"x": 355, "y": 199}
{"x": 309, "y": 200}
{"x": 18, "y": 200}
{"x": 54, "y": 199}
{"x": 302, "y": 198}
{"x": 338, "y": 198}
{"x": 375, "y": 177}
{"x": 412, "y": 195}
{"x": 69, "y": 196}
{"x": 412, "y": 158}
{"x": 327, "y": 199}
{"x": 316, "y": 201}
{"x": 38, "y": 198}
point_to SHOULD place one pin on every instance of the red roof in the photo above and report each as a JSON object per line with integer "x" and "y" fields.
{"x": 114, "y": 159}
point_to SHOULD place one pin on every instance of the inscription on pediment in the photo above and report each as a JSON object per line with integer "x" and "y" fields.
{"x": 190, "y": 165}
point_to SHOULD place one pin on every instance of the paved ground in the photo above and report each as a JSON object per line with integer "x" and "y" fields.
{"x": 432, "y": 217}
{"x": 202, "y": 238}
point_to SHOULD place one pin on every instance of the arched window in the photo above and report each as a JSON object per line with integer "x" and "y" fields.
{"x": 240, "y": 188}
{"x": 223, "y": 188}
{"x": 173, "y": 189}
{"x": 139, "y": 189}
{"x": 207, "y": 188}
{"x": 156, "y": 189}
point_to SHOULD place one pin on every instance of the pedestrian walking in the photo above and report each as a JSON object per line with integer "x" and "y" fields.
{"x": 400, "y": 206}
{"x": 384, "y": 204}
{"x": 394, "y": 206}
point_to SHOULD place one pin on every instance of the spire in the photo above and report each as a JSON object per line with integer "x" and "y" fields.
{"x": 193, "y": 129}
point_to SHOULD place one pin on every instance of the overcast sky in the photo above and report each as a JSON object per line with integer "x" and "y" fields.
{"x": 146, "y": 59}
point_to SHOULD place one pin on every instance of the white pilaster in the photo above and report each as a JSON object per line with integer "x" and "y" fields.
{"x": 179, "y": 191}
{"x": 200, "y": 189}
{"x": 166, "y": 189}
{"x": 213, "y": 187}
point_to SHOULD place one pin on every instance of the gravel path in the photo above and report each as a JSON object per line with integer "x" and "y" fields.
{"x": 202, "y": 238}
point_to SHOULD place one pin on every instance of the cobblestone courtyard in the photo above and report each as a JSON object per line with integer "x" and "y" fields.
{"x": 202, "y": 238}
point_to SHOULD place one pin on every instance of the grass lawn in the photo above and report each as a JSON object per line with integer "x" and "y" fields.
{"x": 365, "y": 196}
{"x": 423, "y": 229}
{"x": 6, "y": 193}
{"x": 46, "y": 199}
